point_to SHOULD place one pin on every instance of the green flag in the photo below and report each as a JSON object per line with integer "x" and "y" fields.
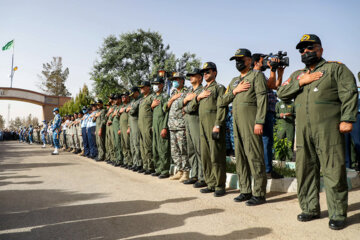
{"x": 8, "y": 45}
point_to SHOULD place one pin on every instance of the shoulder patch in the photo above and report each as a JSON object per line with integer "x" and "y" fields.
{"x": 335, "y": 62}
{"x": 286, "y": 83}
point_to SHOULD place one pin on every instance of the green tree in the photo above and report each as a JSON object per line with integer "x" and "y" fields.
{"x": 133, "y": 57}
{"x": 83, "y": 98}
{"x": 17, "y": 123}
{"x": 2, "y": 122}
{"x": 53, "y": 78}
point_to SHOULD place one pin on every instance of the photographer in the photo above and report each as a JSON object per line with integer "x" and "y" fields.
{"x": 258, "y": 64}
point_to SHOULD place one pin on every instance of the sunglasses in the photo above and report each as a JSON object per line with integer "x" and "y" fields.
{"x": 310, "y": 48}
{"x": 207, "y": 72}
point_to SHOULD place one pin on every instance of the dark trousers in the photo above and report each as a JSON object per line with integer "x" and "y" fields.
{"x": 92, "y": 141}
{"x": 268, "y": 140}
{"x": 85, "y": 141}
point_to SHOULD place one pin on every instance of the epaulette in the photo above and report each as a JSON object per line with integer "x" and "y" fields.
{"x": 334, "y": 62}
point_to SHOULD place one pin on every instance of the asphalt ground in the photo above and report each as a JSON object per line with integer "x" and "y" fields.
{"x": 72, "y": 197}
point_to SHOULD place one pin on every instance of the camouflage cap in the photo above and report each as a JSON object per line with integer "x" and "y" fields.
{"x": 208, "y": 65}
{"x": 99, "y": 102}
{"x": 241, "y": 52}
{"x": 307, "y": 39}
{"x": 177, "y": 75}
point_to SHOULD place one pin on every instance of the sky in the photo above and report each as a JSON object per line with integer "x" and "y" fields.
{"x": 213, "y": 30}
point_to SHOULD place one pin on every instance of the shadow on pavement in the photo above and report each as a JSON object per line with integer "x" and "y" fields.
{"x": 27, "y": 166}
{"x": 53, "y": 215}
{"x": 29, "y": 200}
{"x": 29, "y": 182}
{"x": 21, "y": 176}
{"x": 114, "y": 227}
{"x": 249, "y": 233}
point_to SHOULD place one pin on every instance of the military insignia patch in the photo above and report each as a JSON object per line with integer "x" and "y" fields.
{"x": 236, "y": 83}
{"x": 298, "y": 77}
{"x": 205, "y": 65}
{"x": 305, "y": 37}
{"x": 286, "y": 83}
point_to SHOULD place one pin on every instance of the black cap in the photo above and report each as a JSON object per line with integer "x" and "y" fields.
{"x": 193, "y": 72}
{"x": 208, "y": 65}
{"x": 241, "y": 52}
{"x": 307, "y": 39}
{"x": 125, "y": 94}
{"x": 92, "y": 105}
{"x": 99, "y": 101}
{"x": 144, "y": 83}
{"x": 158, "y": 80}
{"x": 112, "y": 96}
{"x": 133, "y": 90}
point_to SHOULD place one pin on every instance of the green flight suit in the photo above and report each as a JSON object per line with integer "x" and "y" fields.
{"x": 192, "y": 124}
{"x": 109, "y": 139}
{"x": 249, "y": 108}
{"x": 320, "y": 107}
{"x": 117, "y": 157}
{"x": 145, "y": 124}
{"x": 135, "y": 132}
{"x": 125, "y": 138}
{"x": 213, "y": 152}
{"x": 161, "y": 146}
{"x": 100, "y": 140}
{"x": 286, "y": 124}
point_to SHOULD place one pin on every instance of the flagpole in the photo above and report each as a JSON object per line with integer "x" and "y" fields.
{"x": 12, "y": 65}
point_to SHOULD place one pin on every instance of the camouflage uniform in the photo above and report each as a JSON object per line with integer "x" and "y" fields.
{"x": 177, "y": 129}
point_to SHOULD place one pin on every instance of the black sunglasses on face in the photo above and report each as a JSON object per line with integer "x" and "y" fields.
{"x": 310, "y": 48}
{"x": 207, "y": 72}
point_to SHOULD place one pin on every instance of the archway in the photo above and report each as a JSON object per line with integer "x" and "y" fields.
{"x": 46, "y": 101}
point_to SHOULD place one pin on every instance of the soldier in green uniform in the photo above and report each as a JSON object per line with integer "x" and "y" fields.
{"x": 145, "y": 125}
{"x": 117, "y": 158}
{"x": 248, "y": 93}
{"x": 176, "y": 124}
{"x": 100, "y": 119}
{"x": 161, "y": 147}
{"x": 133, "y": 110}
{"x": 326, "y": 98}
{"x": 285, "y": 114}
{"x": 212, "y": 132}
{"x": 192, "y": 124}
{"x": 124, "y": 134}
{"x": 109, "y": 138}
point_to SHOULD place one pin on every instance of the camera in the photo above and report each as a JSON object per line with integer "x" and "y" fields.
{"x": 283, "y": 60}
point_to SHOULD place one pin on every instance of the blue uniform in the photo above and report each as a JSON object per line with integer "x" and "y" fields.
{"x": 90, "y": 131}
{"x": 56, "y": 130}
{"x": 43, "y": 133}
{"x": 31, "y": 130}
{"x": 84, "y": 135}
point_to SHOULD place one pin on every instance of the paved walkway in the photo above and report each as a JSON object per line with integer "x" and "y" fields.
{"x": 71, "y": 197}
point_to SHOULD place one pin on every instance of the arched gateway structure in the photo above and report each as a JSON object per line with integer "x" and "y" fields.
{"x": 47, "y": 102}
